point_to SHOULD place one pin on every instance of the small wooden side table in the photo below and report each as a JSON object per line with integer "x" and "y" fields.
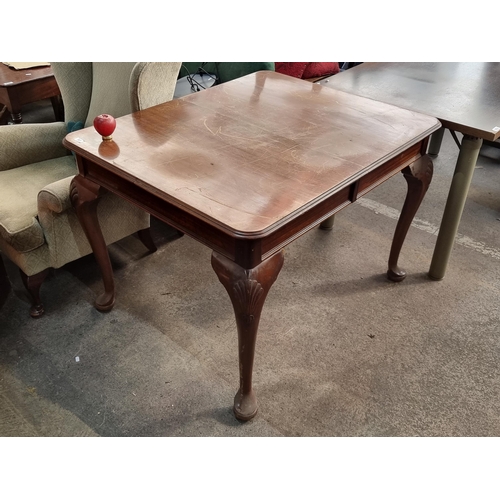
{"x": 24, "y": 86}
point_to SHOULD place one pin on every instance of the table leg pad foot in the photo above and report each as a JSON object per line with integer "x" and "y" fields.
{"x": 105, "y": 302}
{"x": 245, "y": 406}
{"x": 37, "y": 311}
{"x": 433, "y": 278}
{"x": 396, "y": 274}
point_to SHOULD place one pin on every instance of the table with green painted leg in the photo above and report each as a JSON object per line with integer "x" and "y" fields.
{"x": 465, "y": 97}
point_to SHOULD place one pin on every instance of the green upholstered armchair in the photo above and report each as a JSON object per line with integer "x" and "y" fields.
{"x": 38, "y": 225}
{"x": 226, "y": 71}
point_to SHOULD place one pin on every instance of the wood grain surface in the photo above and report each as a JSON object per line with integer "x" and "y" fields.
{"x": 251, "y": 153}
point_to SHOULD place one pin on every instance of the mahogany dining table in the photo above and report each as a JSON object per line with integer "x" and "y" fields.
{"x": 245, "y": 168}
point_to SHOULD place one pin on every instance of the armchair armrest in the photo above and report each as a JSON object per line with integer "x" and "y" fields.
{"x": 24, "y": 144}
{"x": 55, "y": 197}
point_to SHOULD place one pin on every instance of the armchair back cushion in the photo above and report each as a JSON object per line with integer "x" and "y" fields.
{"x": 38, "y": 225}
{"x": 75, "y": 83}
{"x": 110, "y": 82}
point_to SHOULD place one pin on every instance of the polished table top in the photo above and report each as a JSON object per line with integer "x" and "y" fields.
{"x": 249, "y": 155}
{"x": 465, "y": 97}
{"x": 10, "y": 76}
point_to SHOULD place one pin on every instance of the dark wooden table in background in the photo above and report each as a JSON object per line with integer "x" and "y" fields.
{"x": 24, "y": 86}
{"x": 245, "y": 168}
{"x": 465, "y": 97}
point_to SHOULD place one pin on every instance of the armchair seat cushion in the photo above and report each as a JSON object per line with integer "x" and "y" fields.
{"x": 19, "y": 225}
{"x": 39, "y": 227}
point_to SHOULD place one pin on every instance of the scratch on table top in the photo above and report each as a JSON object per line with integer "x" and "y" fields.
{"x": 210, "y": 130}
{"x": 385, "y": 123}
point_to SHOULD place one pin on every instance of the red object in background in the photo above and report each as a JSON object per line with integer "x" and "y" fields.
{"x": 105, "y": 125}
{"x": 295, "y": 69}
{"x": 307, "y": 70}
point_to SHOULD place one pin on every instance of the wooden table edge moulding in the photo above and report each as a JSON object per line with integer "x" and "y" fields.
{"x": 180, "y": 160}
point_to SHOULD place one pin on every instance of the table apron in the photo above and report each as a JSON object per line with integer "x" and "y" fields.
{"x": 164, "y": 210}
{"x": 247, "y": 251}
{"x": 339, "y": 200}
{"x": 28, "y": 92}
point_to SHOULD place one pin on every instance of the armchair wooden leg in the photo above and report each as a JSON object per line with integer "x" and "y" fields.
{"x": 33, "y": 284}
{"x": 5, "y": 285}
{"x": 146, "y": 239}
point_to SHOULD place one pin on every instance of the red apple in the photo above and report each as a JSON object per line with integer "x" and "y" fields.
{"x": 105, "y": 125}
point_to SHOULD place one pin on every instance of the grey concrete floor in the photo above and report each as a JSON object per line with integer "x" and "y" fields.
{"x": 341, "y": 350}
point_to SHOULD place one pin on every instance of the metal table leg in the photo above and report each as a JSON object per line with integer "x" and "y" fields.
{"x": 462, "y": 177}
{"x": 327, "y": 224}
{"x": 435, "y": 142}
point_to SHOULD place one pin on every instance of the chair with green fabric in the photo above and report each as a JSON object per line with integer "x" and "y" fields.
{"x": 225, "y": 71}
{"x": 39, "y": 228}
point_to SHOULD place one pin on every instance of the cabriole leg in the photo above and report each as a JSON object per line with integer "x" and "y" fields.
{"x": 85, "y": 197}
{"x": 146, "y": 239}
{"x": 247, "y": 289}
{"x": 418, "y": 176}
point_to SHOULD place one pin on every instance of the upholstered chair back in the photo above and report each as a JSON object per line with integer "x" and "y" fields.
{"x": 39, "y": 228}
{"x": 75, "y": 83}
{"x": 89, "y": 89}
{"x": 110, "y": 90}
